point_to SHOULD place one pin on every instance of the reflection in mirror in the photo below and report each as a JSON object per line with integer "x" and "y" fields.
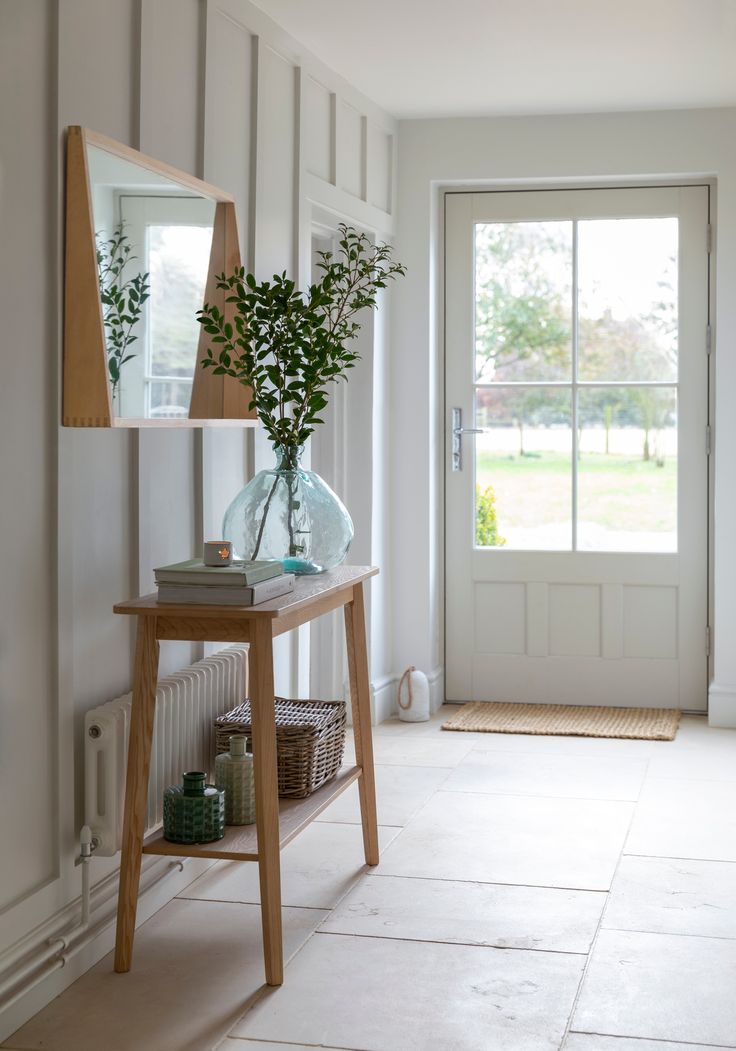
{"x": 143, "y": 245}
{"x": 154, "y": 238}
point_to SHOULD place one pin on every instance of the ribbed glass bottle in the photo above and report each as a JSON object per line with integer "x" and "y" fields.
{"x": 234, "y": 775}
{"x": 195, "y": 811}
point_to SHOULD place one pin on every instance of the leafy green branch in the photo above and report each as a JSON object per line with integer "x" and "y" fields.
{"x": 288, "y": 346}
{"x": 122, "y": 299}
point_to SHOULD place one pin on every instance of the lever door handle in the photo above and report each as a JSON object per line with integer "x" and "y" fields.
{"x": 457, "y": 432}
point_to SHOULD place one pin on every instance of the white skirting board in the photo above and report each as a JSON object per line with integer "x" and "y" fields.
{"x": 436, "y": 689}
{"x": 383, "y": 697}
{"x": 722, "y": 705}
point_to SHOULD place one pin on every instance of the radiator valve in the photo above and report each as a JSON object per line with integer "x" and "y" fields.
{"x": 86, "y": 842}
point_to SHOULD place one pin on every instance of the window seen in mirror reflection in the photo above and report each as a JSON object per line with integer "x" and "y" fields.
{"x": 177, "y": 260}
{"x": 168, "y": 229}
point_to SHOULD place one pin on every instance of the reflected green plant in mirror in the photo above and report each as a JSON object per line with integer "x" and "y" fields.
{"x": 122, "y": 299}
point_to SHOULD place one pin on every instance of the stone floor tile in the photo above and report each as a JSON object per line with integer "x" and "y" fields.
{"x": 400, "y": 792}
{"x": 698, "y": 752}
{"x": 440, "y": 749}
{"x": 660, "y": 987}
{"x": 317, "y": 869}
{"x": 469, "y": 913}
{"x": 591, "y": 1042}
{"x": 550, "y": 744}
{"x": 526, "y": 840}
{"x": 669, "y": 896}
{"x": 384, "y": 995}
{"x": 551, "y": 776}
{"x": 685, "y": 819}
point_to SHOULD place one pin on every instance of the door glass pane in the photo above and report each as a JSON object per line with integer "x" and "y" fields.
{"x": 523, "y": 301}
{"x": 627, "y": 469}
{"x": 523, "y": 469}
{"x": 627, "y": 299}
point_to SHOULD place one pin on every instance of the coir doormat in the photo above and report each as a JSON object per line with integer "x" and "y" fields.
{"x": 568, "y": 720}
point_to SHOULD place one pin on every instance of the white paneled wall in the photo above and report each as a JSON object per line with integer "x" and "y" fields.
{"x": 217, "y": 89}
{"x": 229, "y": 97}
{"x": 318, "y": 105}
{"x": 171, "y": 103}
{"x": 28, "y": 393}
{"x": 352, "y": 153}
{"x": 275, "y": 219}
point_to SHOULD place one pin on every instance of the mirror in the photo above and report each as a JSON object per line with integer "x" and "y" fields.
{"x": 143, "y": 245}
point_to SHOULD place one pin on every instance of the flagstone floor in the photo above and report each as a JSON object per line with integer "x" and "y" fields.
{"x": 534, "y": 894}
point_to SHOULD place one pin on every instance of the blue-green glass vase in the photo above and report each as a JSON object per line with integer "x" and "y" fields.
{"x": 195, "y": 811}
{"x": 289, "y": 514}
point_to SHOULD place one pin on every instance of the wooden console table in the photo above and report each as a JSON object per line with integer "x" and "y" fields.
{"x": 277, "y": 821}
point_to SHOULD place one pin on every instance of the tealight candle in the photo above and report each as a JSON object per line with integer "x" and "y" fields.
{"x": 218, "y": 553}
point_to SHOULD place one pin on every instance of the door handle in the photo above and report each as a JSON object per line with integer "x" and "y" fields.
{"x": 457, "y": 432}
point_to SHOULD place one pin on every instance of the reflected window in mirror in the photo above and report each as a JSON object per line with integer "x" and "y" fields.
{"x": 167, "y": 235}
{"x": 144, "y": 243}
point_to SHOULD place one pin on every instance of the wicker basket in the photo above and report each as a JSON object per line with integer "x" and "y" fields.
{"x": 310, "y": 739}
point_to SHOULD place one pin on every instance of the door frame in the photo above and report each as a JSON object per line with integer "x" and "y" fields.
{"x": 443, "y": 425}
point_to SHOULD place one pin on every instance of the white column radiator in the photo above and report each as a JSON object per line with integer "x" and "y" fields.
{"x": 183, "y": 739}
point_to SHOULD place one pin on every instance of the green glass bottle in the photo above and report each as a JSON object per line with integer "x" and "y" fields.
{"x": 195, "y": 811}
{"x": 234, "y": 775}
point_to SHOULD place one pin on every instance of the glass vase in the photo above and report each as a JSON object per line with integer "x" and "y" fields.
{"x": 290, "y": 514}
{"x": 234, "y": 775}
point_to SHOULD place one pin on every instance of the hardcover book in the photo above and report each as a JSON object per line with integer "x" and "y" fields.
{"x": 186, "y": 594}
{"x": 238, "y": 574}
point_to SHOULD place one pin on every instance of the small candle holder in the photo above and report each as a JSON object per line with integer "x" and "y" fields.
{"x": 218, "y": 553}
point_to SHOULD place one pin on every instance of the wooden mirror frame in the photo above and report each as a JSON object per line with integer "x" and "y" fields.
{"x": 87, "y": 393}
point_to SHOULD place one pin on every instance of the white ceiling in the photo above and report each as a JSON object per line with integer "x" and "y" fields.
{"x": 431, "y": 58}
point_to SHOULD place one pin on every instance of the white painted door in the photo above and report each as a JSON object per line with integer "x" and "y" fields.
{"x": 576, "y": 515}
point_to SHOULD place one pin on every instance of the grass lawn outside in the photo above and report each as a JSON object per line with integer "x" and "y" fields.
{"x": 618, "y": 496}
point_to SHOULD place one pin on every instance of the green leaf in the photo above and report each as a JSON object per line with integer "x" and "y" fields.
{"x": 291, "y": 345}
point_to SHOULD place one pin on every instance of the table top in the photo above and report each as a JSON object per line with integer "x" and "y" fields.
{"x": 307, "y": 590}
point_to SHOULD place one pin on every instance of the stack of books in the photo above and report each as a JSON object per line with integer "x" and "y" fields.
{"x": 239, "y": 584}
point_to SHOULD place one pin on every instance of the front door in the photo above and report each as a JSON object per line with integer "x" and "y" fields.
{"x": 576, "y": 459}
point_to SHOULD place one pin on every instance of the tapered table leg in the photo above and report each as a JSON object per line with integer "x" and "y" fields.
{"x": 267, "y": 799}
{"x": 136, "y": 786}
{"x": 361, "y": 703}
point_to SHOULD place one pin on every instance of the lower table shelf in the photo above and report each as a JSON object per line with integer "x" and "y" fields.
{"x": 240, "y": 842}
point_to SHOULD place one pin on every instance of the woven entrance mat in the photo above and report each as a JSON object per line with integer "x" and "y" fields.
{"x": 568, "y": 720}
